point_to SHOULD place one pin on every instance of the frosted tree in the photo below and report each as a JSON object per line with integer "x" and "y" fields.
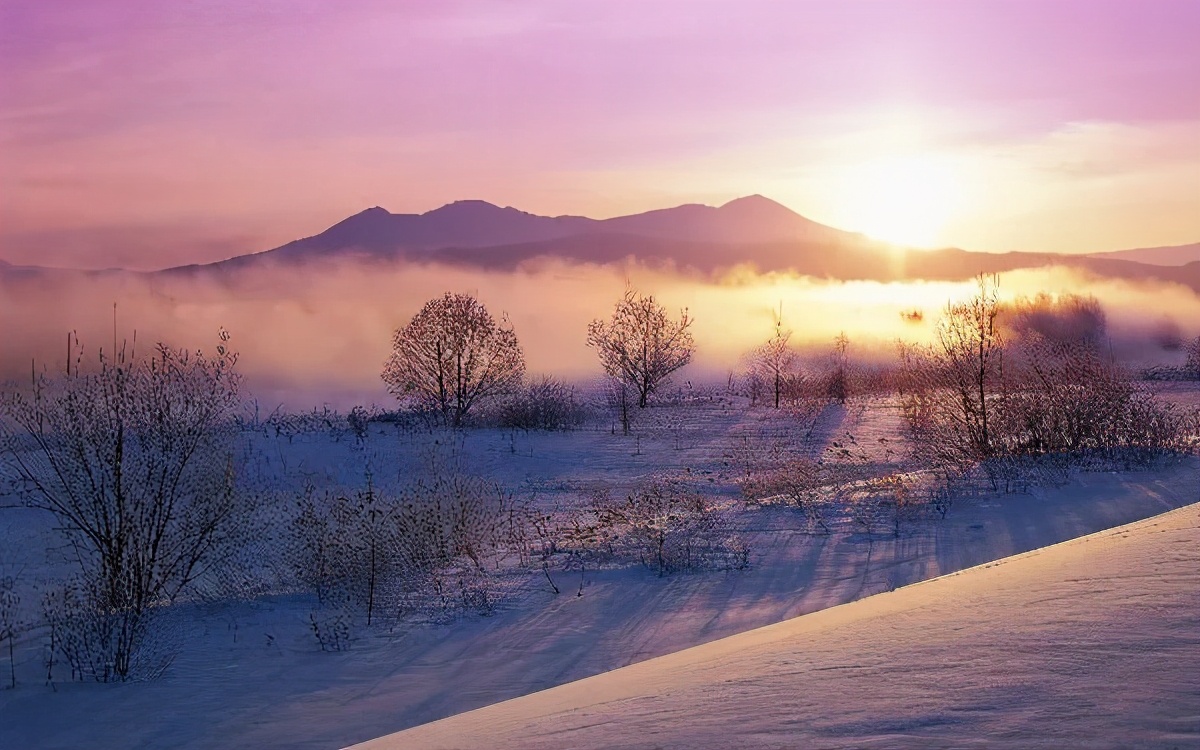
{"x": 453, "y": 355}
{"x": 971, "y": 349}
{"x": 134, "y": 459}
{"x": 774, "y": 363}
{"x": 838, "y": 385}
{"x": 641, "y": 345}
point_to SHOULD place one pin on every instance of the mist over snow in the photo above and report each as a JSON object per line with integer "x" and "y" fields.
{"x": 319, "y": 333}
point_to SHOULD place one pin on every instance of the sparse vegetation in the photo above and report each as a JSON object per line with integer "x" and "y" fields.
{"x": 376, "y": 527}
{"x": 667, "y": 528}
{"x": 976, "y": 398}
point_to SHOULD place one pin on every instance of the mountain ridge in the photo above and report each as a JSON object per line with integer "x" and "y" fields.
{"x": 474, "y": 223}
{"x": 1166, "y": 255}
{"x": 752, "y": 231}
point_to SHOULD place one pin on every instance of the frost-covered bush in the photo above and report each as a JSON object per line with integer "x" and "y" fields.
{"x": 134, "y": 457}
{"x": 1193, "y": 358}
{"x": 1071, "y": 400}
{"x": 977, "y": 399}
{"x": 429, "y": 548}
{"x": 807, "y": 485}
{"x": 344, "y": 547}
{"x": 545, "y": 403}
{"x": 667, "y": 528}
{"x": 100, "y": 643}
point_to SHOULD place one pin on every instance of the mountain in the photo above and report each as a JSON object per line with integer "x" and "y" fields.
{"x": 1173, "y": 255}
{"x": 753, "y": 231}
{"x": 10, "y": 271}
{"x": 458, "y": 224}
{"x": 747, "y": 220}
{"x": 473, "y": 224}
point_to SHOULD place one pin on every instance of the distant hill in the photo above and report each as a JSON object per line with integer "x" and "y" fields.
{"x": 754, "y": 231}
{"x": 1173, "y": 255}
{"x": 455, "y": 229}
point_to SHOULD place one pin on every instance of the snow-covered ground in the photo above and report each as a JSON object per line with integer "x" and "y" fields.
{"x": 250, "y": 674}
{"x": 1091, "y": 643}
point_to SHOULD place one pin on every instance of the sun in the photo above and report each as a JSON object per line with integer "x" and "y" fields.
{"x": 905, "y": 199}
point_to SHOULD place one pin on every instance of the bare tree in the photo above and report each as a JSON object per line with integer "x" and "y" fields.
{"x": 641, "y": 345}
{"x": 134, "y": 458}
{"x": 774, "y": 363}
{"x": 452, "y": 355}
{"x": 838, "y": 384}
{"x": 968, "y": 361}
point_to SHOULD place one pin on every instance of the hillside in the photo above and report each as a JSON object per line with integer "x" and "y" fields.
{"x": 1093, "y": 642}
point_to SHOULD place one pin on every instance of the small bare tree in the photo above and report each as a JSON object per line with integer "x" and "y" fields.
{"x": 952, "y": 390}
{"x": 452, "y": 355}
{"x": 774, "y": 363}
{"x": 837, "y": 387}
{"x": 641, "y": 345}
{"x": 134, "y": 459}
{"x": 973, "y": 352}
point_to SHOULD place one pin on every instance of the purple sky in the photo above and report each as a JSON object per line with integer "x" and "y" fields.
{"x": 145, "y": 133}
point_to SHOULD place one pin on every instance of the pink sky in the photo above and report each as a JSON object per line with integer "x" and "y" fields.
{"x": 146, "y": 133}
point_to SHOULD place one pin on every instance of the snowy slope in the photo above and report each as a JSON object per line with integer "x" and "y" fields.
{"x": 1094, "y": 642}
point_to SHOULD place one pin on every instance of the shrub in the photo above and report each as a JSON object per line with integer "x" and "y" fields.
{"x": 667, "y": 528}
{"x": 134, "y": 458}
{"x": 543, "y": 404}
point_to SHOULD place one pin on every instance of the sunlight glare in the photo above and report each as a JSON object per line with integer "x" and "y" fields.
{"x": 904, "y": 199}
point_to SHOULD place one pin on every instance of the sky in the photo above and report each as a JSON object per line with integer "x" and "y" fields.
{"x": 150, "y": 133}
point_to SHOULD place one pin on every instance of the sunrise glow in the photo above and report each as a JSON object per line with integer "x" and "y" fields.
{"x": 906, "y": 199}
{"x": 550, "y": 374}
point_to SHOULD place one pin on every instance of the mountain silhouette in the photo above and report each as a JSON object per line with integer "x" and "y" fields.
{"x": 753, "y": 231}
{"x": 1173, "y": 255}
{"x": 470, "y": 224}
